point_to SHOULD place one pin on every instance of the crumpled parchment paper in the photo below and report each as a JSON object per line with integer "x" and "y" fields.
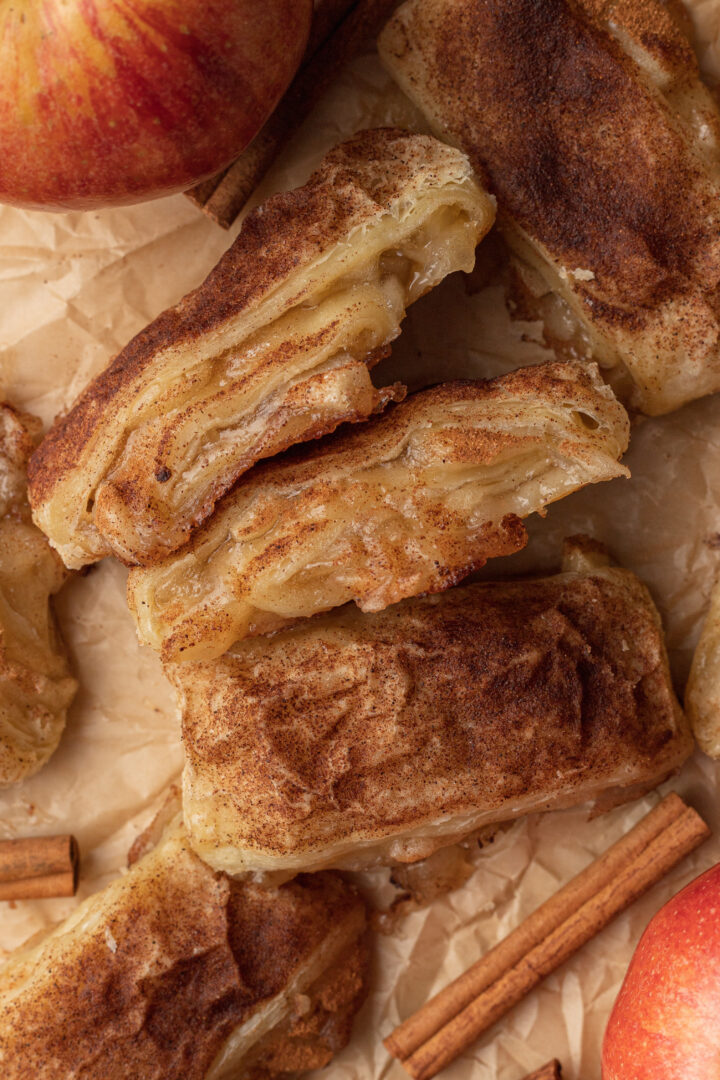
{"x": 73, "y": 289}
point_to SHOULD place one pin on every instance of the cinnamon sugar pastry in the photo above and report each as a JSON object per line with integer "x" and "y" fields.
{"x": 408, "y": 503}
{"x": 590, "y": 123}
{"x": 173, "y": 972}
{"x": 352, "y": 740}
{"x": 36, "y": 687}
{"x": 273, "y": 349}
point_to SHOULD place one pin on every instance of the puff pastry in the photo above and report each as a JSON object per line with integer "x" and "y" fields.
{"x": 352, "y": 740}
{"x": 175, "y": 973}
{"x": 36, "y": 687}
{"x": 273, "y": 349}
{"x": 702, "y": 694}
{"x": 409, "y": 502}
{"x": 589, "y": 122}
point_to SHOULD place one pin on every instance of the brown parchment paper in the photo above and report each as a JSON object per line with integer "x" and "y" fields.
{"x": 73, "y": 289}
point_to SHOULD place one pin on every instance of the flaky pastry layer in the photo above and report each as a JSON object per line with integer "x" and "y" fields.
{"x": 273, "y": 349}
{"x": 174, "y": 972}
{"x": 36, "y": 687}
{"x": 590, "y": 123}
{"x": 352, "y": 740}
{"x": 702, "y": 694}
{"x": 407, "y": 503}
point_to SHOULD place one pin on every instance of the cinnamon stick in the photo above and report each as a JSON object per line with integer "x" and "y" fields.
{"x": 224, "y": 200}
{"x": 551, "y": 1071}
{"x": 38, "y": 867}
{"x": 450, "y": 1022}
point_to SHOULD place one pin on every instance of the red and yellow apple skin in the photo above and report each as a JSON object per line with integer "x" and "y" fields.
{"x": 666, "y": 1021}
{"x": 105, "y": 102}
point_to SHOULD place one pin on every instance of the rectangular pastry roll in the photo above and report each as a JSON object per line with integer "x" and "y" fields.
{"x": 174, "y": 972}
{"x": 36, "y": 686}
{"x": 407, "y": 503}
{"x": 274, "y": 348}
{"x": 352, "y": 740}
{"x": 589, "y": 122}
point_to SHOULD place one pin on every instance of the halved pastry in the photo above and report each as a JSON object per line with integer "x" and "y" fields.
{"x": 590, "y": 123}
{"x": 36, "y": 687}
{"x": 702, "y": 694}
{"x": 174, "y": 972}
{"x": 352, "y": 740}
{"x": 408, "y": 503}
{"x": 273, "y": 349}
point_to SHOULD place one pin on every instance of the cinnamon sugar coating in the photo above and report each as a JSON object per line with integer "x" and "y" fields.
{"x": 273, "y": 349}
{"x": 589, "y": 122}
{"x": 409, "y": 502}
{"x": 174, "y": 972}
{"x": 351, "y": 740}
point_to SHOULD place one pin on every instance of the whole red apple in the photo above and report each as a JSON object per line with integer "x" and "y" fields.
{"x": 113, "y": 101}
{"x": 666, "y": 1021}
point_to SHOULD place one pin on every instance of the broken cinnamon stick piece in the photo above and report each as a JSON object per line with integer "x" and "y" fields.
{"x": 551, "y": 1071}
{"x": 327, "y": 17}
{"x": 451, "y": 1021}
{"x": 237, "y": 183}
{"x": 38, "y": 867}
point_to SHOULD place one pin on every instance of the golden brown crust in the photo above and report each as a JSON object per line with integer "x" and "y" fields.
{"x": 272, "y": 349}
{"x": 589, "y": 122}
{"x": 409, "y": 502}
{"x": 152, "y": 977}
{"x": 35, "y": 683}
{"x": 352, "y": 739}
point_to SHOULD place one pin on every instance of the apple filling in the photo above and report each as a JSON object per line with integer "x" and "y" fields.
{"x": 302, "y": 375}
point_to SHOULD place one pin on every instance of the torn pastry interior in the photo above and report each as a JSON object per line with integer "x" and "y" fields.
{"x": 702, "y": 694}
{"x": 36, "y": 687}
{"x": 589, "y": 122}
{"x": 273, "y": 349}
{"x": 352, "y": 740}
{"x": 409, "y": 502}
{"x": 173, "y": 972}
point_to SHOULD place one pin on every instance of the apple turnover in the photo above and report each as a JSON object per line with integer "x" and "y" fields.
{"x": 173, "y": 972}
{"x": 36, "y": 687}
{"x": 273, "y": 349}
{"x": 409, "y": 502}
{"x": 590, "y": 123}
{"x": 352, "y": 740}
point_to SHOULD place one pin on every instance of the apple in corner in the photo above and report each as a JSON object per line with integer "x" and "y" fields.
{"x": 666, "y": 1021}
{"x": 104, "y": 102}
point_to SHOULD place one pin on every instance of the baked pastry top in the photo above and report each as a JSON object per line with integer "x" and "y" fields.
{"x": 272, "y": 349}
{"x": 351, "y": 740}
{"x": 702, "y": 693}
{"x": 590, "y": 123}
{"x": 36, "y": 687}
{"x": 409, "y": 502}
{"x": 174, "y": 972}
